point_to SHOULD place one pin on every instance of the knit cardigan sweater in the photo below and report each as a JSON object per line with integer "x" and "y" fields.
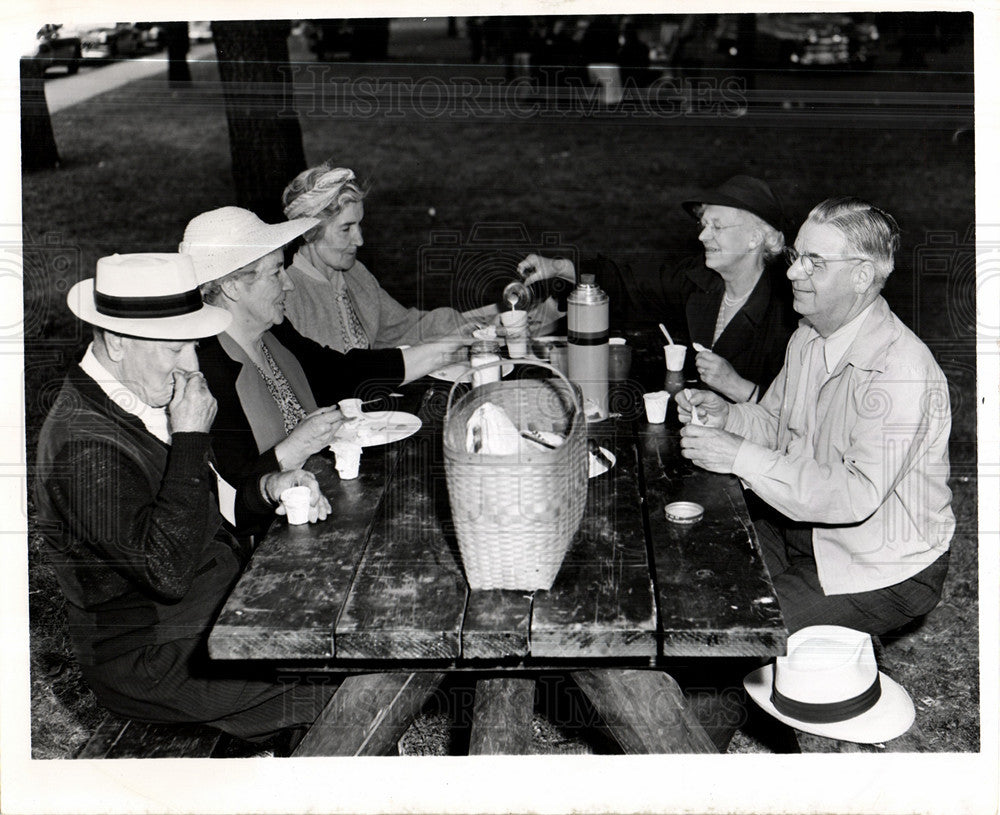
{"x": 132, "y": 526}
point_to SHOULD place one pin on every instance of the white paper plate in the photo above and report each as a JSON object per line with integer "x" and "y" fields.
{"x": 385, "y": 427}
{"x": 453, "y": 372}
{"x": 599, "y": 467}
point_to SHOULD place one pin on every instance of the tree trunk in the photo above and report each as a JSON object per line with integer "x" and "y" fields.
{"x": 265, "y": 140}
{"x": 177, "y": 36}
{"x": 38, "y": 143}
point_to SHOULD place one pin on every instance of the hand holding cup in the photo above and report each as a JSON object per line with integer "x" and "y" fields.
{"x": 298, "y": 495}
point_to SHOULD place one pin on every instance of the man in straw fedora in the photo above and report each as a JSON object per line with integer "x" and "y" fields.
{"x": 849, "y": 445}
{"x": 142, "y": 533}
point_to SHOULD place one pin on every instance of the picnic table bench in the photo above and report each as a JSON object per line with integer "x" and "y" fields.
{"x": 377, "y": 593}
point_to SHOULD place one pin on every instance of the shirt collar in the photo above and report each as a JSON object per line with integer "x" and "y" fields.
{"x": 839, "y": 341}
{"x": 154, "y": 419}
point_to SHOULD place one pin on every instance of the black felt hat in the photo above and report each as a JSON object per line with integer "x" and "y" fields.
{"x": 743, "y": 192}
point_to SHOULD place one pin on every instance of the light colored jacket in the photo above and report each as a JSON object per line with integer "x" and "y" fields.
{"x": 875, "y": 486}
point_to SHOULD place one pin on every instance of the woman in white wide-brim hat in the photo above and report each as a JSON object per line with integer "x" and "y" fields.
{"x": 337, "y": 301}
{"x": 271, "y": 383}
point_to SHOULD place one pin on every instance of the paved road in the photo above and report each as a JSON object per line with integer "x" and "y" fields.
{"x": 62, "y": 91}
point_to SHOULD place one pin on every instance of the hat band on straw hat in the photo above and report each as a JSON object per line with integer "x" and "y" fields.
{"x": 827, "y": 712}
{"x": 167, "y": 305}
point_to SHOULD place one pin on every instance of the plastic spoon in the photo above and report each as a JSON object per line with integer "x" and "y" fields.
{"x": 666, "y": 334}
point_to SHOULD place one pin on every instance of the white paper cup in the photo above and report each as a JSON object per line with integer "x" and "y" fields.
{"x": 348, "y": 456}
{"x": 296, "y": 503}
{"x": 656, "y": 406}
{"x": 674, "y": 354}
{"x": 516, "y": 323}
{"x": 351, "y": 408}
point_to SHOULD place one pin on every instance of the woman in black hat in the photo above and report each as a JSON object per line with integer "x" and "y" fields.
{"x": 732, "y": 305}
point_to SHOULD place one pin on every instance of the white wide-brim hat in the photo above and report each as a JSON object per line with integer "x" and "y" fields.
{"x": 152, "y": 295}
{"x": 830, "y": 685}
{"x": 226, "y": 239}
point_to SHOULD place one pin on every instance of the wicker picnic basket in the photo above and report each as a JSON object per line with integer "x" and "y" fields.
{"x": 515, "y": 515}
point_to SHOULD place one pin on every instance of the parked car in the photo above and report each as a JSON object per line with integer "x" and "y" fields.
{"x": 54, "y": 48}
{"x": 109, "y": 40}
{"x": 805, "y": 40}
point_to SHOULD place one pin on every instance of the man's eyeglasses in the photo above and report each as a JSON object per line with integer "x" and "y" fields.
{"x": 811, "y": 261}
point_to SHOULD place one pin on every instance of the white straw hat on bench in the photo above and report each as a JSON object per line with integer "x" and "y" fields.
{"x": 830, "y": 685}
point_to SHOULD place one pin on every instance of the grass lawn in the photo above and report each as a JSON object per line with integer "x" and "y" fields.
{"x": 140, "y": 161}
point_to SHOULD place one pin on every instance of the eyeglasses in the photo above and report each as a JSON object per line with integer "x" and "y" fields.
{"x": 703, "y": 225}
{"x": 811, "y": 261}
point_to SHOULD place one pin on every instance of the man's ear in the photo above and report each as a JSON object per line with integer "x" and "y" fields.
{"x": 114, "y": 344}
{"x": 863, "y": 276}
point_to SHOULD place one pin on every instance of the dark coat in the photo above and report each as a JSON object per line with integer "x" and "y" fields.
{"x": 247, "y": 424}
{"x": 686, "y": 297}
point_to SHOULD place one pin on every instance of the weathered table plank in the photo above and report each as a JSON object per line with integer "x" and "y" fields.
{"x": 286, "y": 602}
{"x": 497, "y": 625}
{"x": 502, "y": 717}
{"x": 409, "y": 594}
{"x": 714, "y": 595}
{"x": 368, "y": 714}
{"x": 602, "y": 601}
{"x": 644, "y": 711}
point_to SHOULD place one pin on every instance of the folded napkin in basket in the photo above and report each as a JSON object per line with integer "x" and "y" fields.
{"x": 491, "y": 432}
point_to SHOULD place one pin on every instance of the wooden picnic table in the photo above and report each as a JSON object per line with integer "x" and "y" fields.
{"x": 378, "y": 591}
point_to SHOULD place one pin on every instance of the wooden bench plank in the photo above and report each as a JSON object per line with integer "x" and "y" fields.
{"x": 602, "y": 601}
{"x": 644, "y": 711}
{"x": 297, "y": 581}
{"x": 502, "y": 717}
{"x": 368, "y": 714}
{"x": 712, "y": 585}
{"x": 115, "y": 737}
{"x": 409, "y": 594}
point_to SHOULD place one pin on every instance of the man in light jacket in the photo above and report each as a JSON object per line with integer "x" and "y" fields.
{"x": 849, "y": 446}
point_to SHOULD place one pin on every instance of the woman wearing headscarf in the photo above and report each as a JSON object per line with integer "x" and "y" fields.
{"x": 733, "y": 301}
{"x": 339, "y": 303}
{"x": 272, "y": 384}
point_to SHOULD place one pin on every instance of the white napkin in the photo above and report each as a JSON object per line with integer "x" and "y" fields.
{"x": 491, "y": 432}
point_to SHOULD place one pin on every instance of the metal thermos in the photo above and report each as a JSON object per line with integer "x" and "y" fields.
{"x": 587, "y": 343}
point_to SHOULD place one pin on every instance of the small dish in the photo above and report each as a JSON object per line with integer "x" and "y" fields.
{"x": 684, "y": 512}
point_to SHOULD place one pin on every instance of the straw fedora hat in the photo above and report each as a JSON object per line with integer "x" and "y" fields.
{"x": 151, "y": 295}
{"x": 223, "y": 240}
{"x": 829, "y": 684}
{"x": 742, "y": 192}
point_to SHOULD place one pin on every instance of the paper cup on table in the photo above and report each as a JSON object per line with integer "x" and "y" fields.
{"x": 656, "y": 406}
{"x": 295, "y": 500}
{"x": 351, "y": 408}
{"x": 674, "y": 355}
{"x": 516, "y": 323}
{"x": 348, "y": 457}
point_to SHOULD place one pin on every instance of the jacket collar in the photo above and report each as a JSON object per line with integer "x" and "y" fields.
{"x": 754, "y": 309}
{"x": 870, "y": 348}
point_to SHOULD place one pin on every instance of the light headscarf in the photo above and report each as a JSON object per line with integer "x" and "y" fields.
{"x": 324, "y": 191}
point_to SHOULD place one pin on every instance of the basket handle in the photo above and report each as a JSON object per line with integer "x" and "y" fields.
{"x": 577, "y": 403}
